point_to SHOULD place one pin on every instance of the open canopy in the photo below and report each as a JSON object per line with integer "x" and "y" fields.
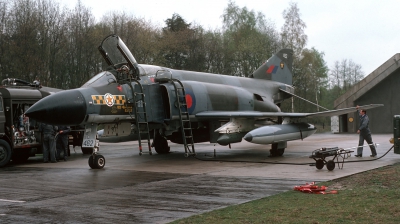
{"x": 115, "y": 52}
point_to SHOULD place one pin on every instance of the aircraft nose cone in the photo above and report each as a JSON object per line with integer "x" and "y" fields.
{"x": 248, "y": 137}
{"x": 62, "y": 108}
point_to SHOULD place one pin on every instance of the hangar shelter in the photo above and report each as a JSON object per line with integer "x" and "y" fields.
{"x": 382, "y": 86}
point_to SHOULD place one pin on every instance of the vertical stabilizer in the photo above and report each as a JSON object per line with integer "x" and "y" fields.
{"x": 277, "y": 68}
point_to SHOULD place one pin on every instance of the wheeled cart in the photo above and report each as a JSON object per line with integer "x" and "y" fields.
{"x": 320, "y": 155}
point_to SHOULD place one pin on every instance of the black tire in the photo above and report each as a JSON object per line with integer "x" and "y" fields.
{"x": 162, "y": 150}
{"x": 5, "y": 153}
{"x": 161, "y": 144}
{"x": 330, "y": 165}
{"x": 275, "y": 152}
{"x": 319, "y": 164}
{"x": 98, "y": 162}
{"x": 87, "y": 151}
{"x": 20, "y": 158}
{"x": 280, "y": 152}
{"x": 91, "y": 162}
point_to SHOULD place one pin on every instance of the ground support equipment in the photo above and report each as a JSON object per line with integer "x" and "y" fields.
{"x": 319, "y": 155}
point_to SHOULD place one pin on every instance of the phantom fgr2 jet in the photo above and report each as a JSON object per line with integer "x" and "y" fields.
{"x": 184, "y": 107}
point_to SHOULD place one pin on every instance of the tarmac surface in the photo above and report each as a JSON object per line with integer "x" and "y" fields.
{"x": 163, "y": 188}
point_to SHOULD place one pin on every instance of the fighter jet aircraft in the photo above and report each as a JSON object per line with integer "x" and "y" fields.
{"x": 184, "y": 107}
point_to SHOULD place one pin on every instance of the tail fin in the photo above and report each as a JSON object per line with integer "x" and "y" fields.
{"x": 277, "y": 68}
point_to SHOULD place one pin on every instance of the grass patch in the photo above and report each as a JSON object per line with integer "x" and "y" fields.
{"x": 368, "y": 197}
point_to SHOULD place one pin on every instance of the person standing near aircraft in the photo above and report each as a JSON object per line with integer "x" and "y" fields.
{"x": 49, "y": 147}
{"x": 62, "y": 140}
{"x": 365, "y": 134}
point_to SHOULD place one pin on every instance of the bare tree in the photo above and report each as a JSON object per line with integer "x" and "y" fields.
{"x": 3, "y": 34}
{"x": 82, "y": 57}
{"x": 51, "y": 40}
{"x": 343, "y": 75}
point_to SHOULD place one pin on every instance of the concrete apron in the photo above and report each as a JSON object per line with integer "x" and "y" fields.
{"x": 243, "y": 159}
{"x": 174, "y": 186}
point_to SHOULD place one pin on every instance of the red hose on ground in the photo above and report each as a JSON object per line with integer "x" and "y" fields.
{"x": 311, "y": 188}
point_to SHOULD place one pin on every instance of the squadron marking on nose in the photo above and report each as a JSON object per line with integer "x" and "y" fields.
{"x": 108, "y": 99}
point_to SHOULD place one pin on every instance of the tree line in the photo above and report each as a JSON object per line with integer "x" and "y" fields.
{"x": 42, "y": 39}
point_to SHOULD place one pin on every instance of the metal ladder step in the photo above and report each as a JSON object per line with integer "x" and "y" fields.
{"x": 141, "y": 121}
{"x": 186, "y": 128}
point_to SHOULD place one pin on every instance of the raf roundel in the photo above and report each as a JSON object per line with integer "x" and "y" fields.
{"x": 190, "y": 101}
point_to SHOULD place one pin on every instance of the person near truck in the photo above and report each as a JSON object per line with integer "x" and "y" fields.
{"x": 62, "y": 141}
{"x": 49, "y": 147}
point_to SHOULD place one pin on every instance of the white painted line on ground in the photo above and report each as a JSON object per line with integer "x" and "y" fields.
{"x": 11, "y": 201}
{"x": 2, "y": 214}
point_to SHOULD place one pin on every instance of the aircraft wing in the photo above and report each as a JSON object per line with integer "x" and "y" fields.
{"x": 257, "y": 114}
{"x": 337, "y": 112}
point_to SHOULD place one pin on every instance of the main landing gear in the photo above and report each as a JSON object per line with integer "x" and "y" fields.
{"x": 160, "y": 144}
{"x": 277, "y": 149}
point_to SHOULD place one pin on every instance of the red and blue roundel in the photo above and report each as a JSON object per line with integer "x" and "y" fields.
{"x": 190, "y": 100}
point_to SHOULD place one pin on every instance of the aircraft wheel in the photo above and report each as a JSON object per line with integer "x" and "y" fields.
{"x": 98, "y": 162}
{"x": 5, "y": 153}
{"x": 162, "y": 150}
{"x": 330, "y": 165}
{"x": 274, "y": 152}
{"x": 161, "y": 144}
{"x": 91, "y": 162}
{"x": 319, "y": 164}
{"x": 280, "y": 152}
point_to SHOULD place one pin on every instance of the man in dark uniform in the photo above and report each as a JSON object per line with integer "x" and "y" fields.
{"x": 49, "y": 146}
{"x": 62, "y": 140}
{"x": 365, "y": 134}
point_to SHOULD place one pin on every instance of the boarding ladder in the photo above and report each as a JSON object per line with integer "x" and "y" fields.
{"x": 186, "y": 127}
{"x": 142, "y": 125}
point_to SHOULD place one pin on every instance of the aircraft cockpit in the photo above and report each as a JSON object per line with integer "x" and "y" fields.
{"x": 150, "y": 70}
{"x": 101, "y": 79}
{"x": 117, "y": 55}
{"x": 119, "y": 58}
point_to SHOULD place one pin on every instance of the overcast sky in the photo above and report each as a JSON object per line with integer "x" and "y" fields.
{"x": 367, "y": 32}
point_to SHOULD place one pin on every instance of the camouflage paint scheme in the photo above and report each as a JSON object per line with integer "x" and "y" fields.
{"x": 222, "y": 108}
